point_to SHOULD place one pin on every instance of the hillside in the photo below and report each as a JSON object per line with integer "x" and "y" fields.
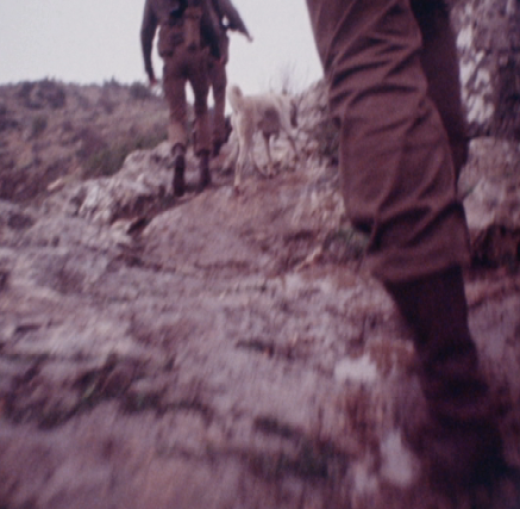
{"x": 219, "y": 351}
{"x": 51, "y": 130}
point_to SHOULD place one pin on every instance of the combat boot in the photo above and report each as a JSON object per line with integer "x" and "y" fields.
{"x": 217, "y": 145}
{"x": 179, "y": 165}
{"x": 205, "y": 177}
{"x": 461, "y": 442}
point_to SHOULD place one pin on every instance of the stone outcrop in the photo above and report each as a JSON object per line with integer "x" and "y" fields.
{"x": 490, "y": 184}
{"x": 489, "y": 45}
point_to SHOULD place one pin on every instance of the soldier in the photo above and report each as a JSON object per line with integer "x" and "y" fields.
{"x": 392, "y": 72}
{"x": 228, "y": 19}
{"x": 183, "y": 26}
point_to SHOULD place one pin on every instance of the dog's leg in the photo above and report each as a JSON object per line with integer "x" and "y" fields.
{"x": 244, "y": 149}
{"x": 286, "y": 128}
{"x": 251, "y": 152}
{"x": 257, "y": 166}
{"x": 231, "y": 159}
{"x": 292, "y": 141}
{"x": 241, "y": 161}
{"x": 270, "y": 169}
{"x": 233, "y": 141}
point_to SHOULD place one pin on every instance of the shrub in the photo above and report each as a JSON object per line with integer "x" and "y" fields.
{"x": 108, "y": 160}
{"x": 106, "y": 103}
{"x": 112, "y": 84}
{"x": 344, "y": 244}
{"x": 138, "y": 91}
{"x": 24, "y": 93}
{"x": 52, "y": 94}
{"x": 39, "y": 124}
{"x": 38, "y": 95}
{"x": 6, "y": 120}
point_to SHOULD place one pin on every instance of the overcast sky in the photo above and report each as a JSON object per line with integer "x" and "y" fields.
{"x": 92, "y": 41}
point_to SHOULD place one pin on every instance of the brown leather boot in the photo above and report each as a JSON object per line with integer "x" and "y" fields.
{"x": 461, "y": 443}
{"x": 179, "y": 165}
{"x": 205, "y": 177}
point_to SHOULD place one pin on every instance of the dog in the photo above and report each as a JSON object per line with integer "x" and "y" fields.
{"x": 269, "y": 114}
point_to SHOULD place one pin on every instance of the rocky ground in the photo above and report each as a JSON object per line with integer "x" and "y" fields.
{"x": 223, "y": 351}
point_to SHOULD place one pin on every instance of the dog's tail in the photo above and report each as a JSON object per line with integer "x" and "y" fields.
{"x": 235, "y": 96}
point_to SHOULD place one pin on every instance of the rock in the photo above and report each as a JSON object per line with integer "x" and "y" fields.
{"x": 491, "y": 185}
{"x": 220, "y": 350}
{"x": 488, "y": 39}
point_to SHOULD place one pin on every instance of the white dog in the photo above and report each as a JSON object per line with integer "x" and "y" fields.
{"x": 269, "y": 114}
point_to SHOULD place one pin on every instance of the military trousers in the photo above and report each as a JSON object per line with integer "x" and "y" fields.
{"x": 218, "y": 81}
{"x": 394, "y": 92}
{"x": 181, "y": 67}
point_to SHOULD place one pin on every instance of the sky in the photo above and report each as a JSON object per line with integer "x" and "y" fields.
{"x": 93, "y": 41}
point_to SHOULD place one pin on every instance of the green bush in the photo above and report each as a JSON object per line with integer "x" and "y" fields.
{"x": 50, "y": 93}
{"x": 345, "y": 244}
{"x": 38, "y": 125}
{"x": 108, "y": 160}
{"x": 138, "y": 91}
{"x": 42, "y": 94}
{"x": 24, "y": 92}
{"x": 112, "y": 84}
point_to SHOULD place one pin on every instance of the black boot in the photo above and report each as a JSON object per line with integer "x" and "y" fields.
{"x": 205, "y": 177}
{"x": 217, "y": 144}
{"x": 462, "y": 442}
{"x": 179, "y": 164}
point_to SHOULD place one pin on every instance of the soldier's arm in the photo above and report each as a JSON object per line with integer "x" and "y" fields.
{"x": 235, "y": 22}
{"x": 148, "y": 28}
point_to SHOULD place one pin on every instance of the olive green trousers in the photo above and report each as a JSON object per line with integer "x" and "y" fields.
{"x": 393, "y": 83}
{"x": 185, "y": 66}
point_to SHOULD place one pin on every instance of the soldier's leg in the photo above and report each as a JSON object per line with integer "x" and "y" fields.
{"x": 218, "y": 80}
{"x": 200, "y": 84}
{"x": 461, "y": 441}
{"x": 174, "y": 90}
{"x": 397, "y": 174}
{"x": 399, "y": 186}
{"x": 440, "y": 64}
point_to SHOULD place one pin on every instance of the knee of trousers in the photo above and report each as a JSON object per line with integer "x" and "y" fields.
{"x": 200, "y": 105}
{"x": 405, "y": 198}
{"x": 442, "y": 244}
{"x": 177, "y": 133}
{"x": 219, "y": 89}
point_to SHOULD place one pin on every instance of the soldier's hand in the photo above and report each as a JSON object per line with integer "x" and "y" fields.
{"x": 152, "y": 81}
